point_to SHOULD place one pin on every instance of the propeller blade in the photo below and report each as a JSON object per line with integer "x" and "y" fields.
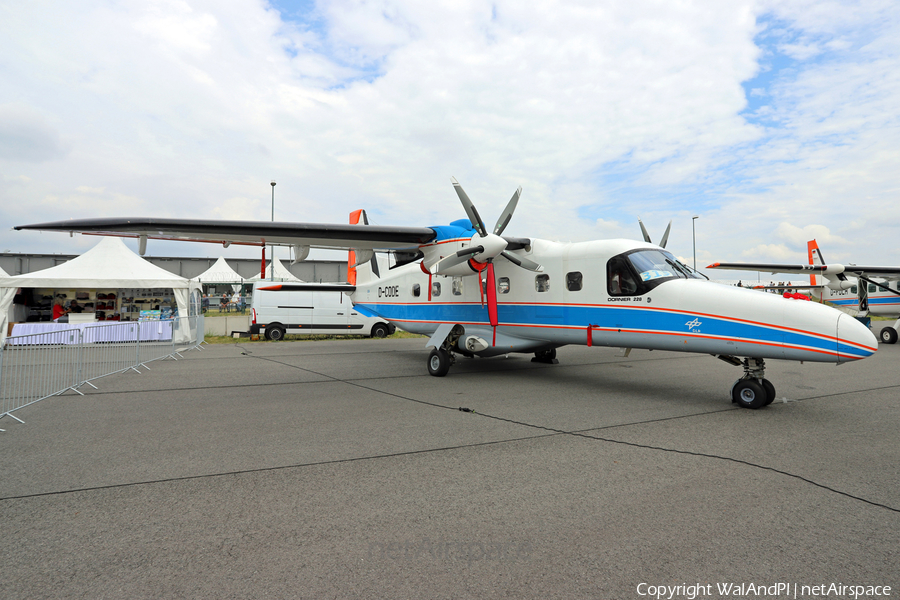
{"x": 473, "y": 215}
{"x": 644, "y": 231}
{"x": 665, "y": 237}
{"x": 448, "y": 262}
{"x": 521, "y": 261}
{"x": 491, "y": 295}
{"x": 456, "y": 259}
{"x": 468, "y": 251}
{"x": 507, "y": 214}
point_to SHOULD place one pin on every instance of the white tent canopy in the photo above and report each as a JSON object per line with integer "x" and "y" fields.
{"x": 220, "y": 272}
{"x": 110, "y": 265}
{"x": 281, "y": 273}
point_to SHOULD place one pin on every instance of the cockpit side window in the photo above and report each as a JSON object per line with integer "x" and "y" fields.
{"x": 620, "y": 279}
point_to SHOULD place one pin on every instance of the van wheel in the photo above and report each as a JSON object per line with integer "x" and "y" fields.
{"x": 274, "y": 333}
{"x": 380, "y": 331}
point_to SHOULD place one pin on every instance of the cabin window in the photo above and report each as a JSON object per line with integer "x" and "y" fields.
{"x": 416, "y": 290}
{"x": 456, "y": 286}
{"x": 852, "y": 289}
{"x": 435, "y": 289}
{"x": 542, "y": 283}
{"x": 503, "y": 285}
{"x": 573, "y": 281}
{"x": 873, "y": 287}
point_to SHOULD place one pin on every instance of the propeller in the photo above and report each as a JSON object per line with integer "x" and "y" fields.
{"x": 665, "y": 237}
{"x": 486, "y": 247}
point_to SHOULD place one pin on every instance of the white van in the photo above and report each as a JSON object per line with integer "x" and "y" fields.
{"x": 309, "y": 309}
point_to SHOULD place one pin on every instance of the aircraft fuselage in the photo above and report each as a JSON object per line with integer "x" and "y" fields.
{"x": 578, "y": 299}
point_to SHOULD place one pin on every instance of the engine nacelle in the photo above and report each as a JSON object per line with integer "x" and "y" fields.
{"x": 838, "y": 285}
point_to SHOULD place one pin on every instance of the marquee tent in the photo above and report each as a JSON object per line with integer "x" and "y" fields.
{"x": 220, "y": 272}
{"x": 108, "y": 265}
{"x": 281, "y": 273}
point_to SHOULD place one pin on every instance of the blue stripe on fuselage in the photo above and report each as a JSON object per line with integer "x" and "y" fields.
{"x": 630, "y": 319}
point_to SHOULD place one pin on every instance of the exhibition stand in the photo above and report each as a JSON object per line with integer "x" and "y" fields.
{"x": 108, "y": 283}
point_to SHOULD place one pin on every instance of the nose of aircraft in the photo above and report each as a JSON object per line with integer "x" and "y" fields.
{"x": 855, "y": 340}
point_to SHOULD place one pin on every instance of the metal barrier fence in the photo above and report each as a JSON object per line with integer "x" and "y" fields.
{"x": 39, "y": 365}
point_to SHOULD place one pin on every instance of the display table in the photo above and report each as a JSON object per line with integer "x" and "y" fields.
{"x": 68, "y": 333}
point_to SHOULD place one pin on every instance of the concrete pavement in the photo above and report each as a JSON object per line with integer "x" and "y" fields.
{"x": 340, "y": 469}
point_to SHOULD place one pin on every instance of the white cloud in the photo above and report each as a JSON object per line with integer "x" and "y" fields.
{"x": 183, "y": 108}
{"x": 776, "y": 252}
{"x": 26, "y": 135}
{"x": 799, "y": 236}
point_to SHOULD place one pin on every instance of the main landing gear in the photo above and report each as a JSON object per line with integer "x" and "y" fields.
{"x": 443, "y": 357}
{"x": 439, "y": 362}
{"x": 753, "y": 390}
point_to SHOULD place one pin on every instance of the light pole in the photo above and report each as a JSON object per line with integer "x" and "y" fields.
{"x": 693, "y": 231}
{"x": 272, "y": 260}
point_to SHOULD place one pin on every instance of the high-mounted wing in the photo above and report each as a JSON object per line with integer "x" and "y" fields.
{"x": 257, "y": 233}
{"x": 830, "y": 269}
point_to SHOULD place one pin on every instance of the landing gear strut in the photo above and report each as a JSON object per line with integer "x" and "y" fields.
{"x": 753, "y": 390}
{"x": 442, "y": 358}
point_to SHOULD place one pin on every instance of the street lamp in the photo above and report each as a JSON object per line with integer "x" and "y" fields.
{"x": 272, "y": 270}
{"x": 693, "y": 231}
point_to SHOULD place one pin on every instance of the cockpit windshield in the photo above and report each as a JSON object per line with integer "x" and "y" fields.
{"x": 638, "y": 272}
{"x": 657, "y": 264}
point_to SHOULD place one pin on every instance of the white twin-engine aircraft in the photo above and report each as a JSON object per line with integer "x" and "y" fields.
{"x": 477, "y": 292}
{"x": 859, "y": 292}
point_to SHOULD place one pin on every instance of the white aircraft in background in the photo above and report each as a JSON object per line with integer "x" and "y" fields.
{"x": 476, "y": 292}
{"x": 859, "y": 292}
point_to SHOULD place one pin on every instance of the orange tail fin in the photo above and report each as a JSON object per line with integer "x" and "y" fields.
{"x": 351, "y": 255}
{"x": 815, "y": 258}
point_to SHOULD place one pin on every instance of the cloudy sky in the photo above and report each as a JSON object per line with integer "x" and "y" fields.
{"x": 774, "y": 122}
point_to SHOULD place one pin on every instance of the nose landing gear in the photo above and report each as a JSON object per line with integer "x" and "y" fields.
{"x": 753, "y": 390}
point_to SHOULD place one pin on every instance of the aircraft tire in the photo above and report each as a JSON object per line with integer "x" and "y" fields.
{"x": 748, "y": 393}
{"x": 274, "y": 333}
{"x": 438, "y": 362}
{"x": 546, "y": 354}
{"x": 889, "y": 335}
{"x": 770, "y": 391}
